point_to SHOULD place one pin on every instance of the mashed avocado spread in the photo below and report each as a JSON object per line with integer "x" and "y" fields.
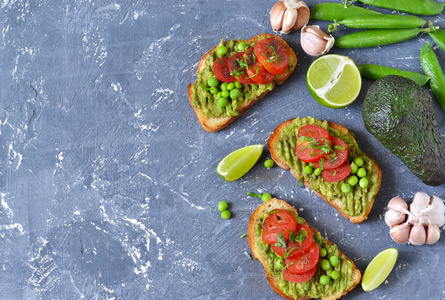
{"x": 312, "y": 287}
{"x": 207, "y": 102}
{"x": 355, "y": 202}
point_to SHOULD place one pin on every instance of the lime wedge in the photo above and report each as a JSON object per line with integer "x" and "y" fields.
{"x": 334, "y": 80}
{"x": 379, "y": 268}
{"x": 239, "y": 162}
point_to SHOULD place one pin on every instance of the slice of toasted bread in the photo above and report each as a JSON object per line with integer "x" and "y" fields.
{"x": 336, "y": 203}
{"x": 254, "y": 241}
{"x": 214, "y": 124}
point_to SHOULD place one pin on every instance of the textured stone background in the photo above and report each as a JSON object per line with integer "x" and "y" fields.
{"x": 108, "y": 187}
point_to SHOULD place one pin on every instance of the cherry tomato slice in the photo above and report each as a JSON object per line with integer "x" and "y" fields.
{"x": 332, "y": 161}
{"x": 221, "y": 70}
{"x": 301, "y": 248}
{"x": 281, "y": 221}
{"x": 303, "y": 263}
{"x": 309, "y": 138}
{"x": 272, "y": 55}
{"x": 288, "y": 276}
{"x": 237, "y": 70}
{"x": 337, "y": 174}
{"x": 259, "y": 74}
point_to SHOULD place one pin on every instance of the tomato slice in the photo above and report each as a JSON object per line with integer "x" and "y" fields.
{"x": 305, "y": 262}
{"x": 300, "y": 248}
{"x": 338, "y": 173}
{"x": 272, "y": 55}
{"x": 332, "y": 161}
{"x": 288, "y": 276}
{"x": 259, "y": 74}
{"x": 222, "y": 71}
{"x": 309, "y": 138}
{"x": 237, "y": 65}
{"x": 280, "y": 221}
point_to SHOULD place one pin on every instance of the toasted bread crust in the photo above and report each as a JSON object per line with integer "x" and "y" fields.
{"x": 335, "y": 203}
{"x": 257, "y": 254}
{"x": 214, "y": 124}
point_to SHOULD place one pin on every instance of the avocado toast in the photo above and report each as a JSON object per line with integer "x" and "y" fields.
{"x": 210, "y": 115}
{"x": 349, "y": 275}
{"x": 355, "y": 205}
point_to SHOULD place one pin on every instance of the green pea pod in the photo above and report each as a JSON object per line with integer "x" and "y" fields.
{"x": 378, "y": 37}
{"x": 376, "y": 72}
{"x": 337, "y": 11}
{"x": 417, "y": 7}
{"x": 431, "y": 67}
{"x": 438, "y": 37}
{"x": 380, "y": 22}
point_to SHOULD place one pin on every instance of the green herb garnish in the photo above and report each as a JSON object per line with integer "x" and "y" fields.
{"x": 281, "y": 241}
{"x": 243, "y": 235}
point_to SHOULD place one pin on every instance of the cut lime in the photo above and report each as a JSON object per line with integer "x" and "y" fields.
{"x": 379, "y": 268}
{"x": 334, "y": 80}
{"x": 239, "y": 162}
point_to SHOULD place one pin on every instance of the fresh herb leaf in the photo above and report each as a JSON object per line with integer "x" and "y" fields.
{"x": 340, "y": 147}
{"x": 289, "y": 265}
{"x": 254, "y": 195}
{"x": 287, "y": 253}
{"x": 256, "y": 69}
{"x": 274, "y": 55}
{"x": 272, "y": 212}
{"x": 281, "y": 241}
{"x": 243, "y": 235}
{"x": 300, "y": 183}
{"x": 298, "y": 237}
{"x": 334, "y": 174}
{"x": 321, "y": 163}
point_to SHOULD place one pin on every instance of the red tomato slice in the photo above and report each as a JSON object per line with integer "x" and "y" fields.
{"x": 310, "y": 136}
{"x": 272, "y": 55}
{"x": 301, "y": 248}
{"x": 303, "y": 263}
{"x": 282, "y": 221}
{"x": 259, "y": 74}
{"x": 237, "y": 70}
{"x": 332, "y": 161}
{"x": 288, "y": 276}
{"x": 337, "y": 174}
{"x": 221, "y": 70}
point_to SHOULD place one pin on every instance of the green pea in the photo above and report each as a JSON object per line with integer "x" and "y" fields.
{"x": 353, "y": 180}
{"x": 317, "y": 172}
{"x": 354, "y": 168}
{"x": 363, "y": 183}
{"x": 324, "y": 279}
{"x": 242, "y": 46}
{"x": 221, "y": 50}
{"x": 269, "y": 163}
{"x": 279, "y": 264}
{"x": 230, "y": 86}
{"x": 323, "y": 252}
{"x": 325, "y": 264}
{"x": 265, "y": 197}
{"x": 235, "y": 93}
{"x": 345, "y": 188}
{"x": 214, "y": 90}
{"x": 224, "y": 86}
{"x": 238, "y": 84}
{"x": 225, "y": 214}
{"x": 308, "y": 169}
{"x": 225, "y": 93}
{"x": 219, "y": 95}
{"x": 222, "y": 102}
{"x": 334, "y": 260}
{"x": 222, "y": 205}
{"x": 361, "y": 172}
{"x": 359, "y": 161}
{"x": 335, "y": 274}
{"x": 213, "y": 81}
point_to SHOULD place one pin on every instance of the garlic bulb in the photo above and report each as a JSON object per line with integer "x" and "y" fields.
{"x": 432, "y": 234}
{"x": 400, "y": 233}
{"x": 427, "y": 212}
{"x": 289, "y": 15}
{"x": 393, "y": 217}
{"x": 314, "y": 41}
{"x": 417, "y": 235}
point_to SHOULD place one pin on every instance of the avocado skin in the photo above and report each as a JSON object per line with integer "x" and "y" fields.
{"x": 400, "y": 114}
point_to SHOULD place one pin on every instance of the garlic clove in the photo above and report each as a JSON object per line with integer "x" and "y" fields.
{"x": 314, "y": 41}
{"x": 420, "y": 201}
{"x": 303, "y": 16}
{"x": 417, "y": 236}
{"x": 400, "y": 233}
{"x": 398, "y": 204}
{"x": 432, "y": 234}
{"x": 393, "y": 217}
{"x": 277, "y": 15}
{"x": 289, "y": 20}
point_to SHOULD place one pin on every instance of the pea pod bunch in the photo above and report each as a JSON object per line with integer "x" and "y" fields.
{"x": 431, "y": 67}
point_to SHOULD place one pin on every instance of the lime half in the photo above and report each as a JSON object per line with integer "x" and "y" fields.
{"x": 239, "y": 162}
{"x": 379, "y": 268}
{"x": 334, "y": 80}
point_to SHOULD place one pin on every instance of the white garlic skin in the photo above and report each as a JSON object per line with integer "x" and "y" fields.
{"x": 314, "y": 41}
{"x": 432, "y": 234}
{"x": 393, "y": 217}
{"x": 289, "y": 15}
{"x": 417, "y": 235}
{"x": 420, "y": 201}
{"x": 400, "y": 233}
{"x": 398, "y": 204}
